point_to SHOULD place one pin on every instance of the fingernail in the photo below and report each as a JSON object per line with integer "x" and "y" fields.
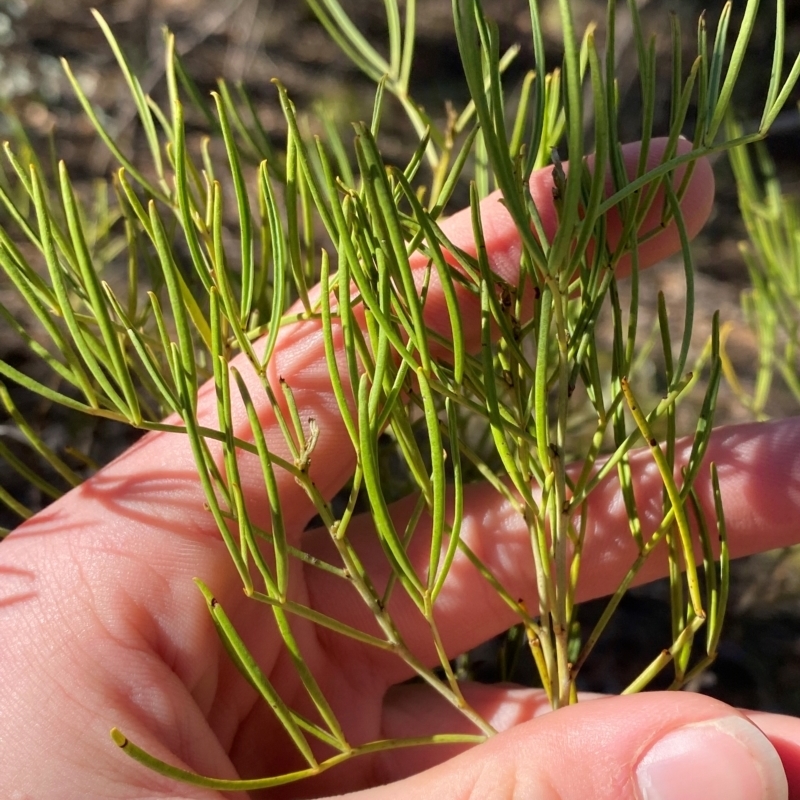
{"x": 721, "y": 759}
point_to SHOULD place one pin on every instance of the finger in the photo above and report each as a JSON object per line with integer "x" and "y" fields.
{"x": 412, "y": 710}
{"x": 504, "y": 246}
{"x": 655, "y": 746}
{"x": 784, "y": 733}
{"x": 416, "y": 710}
{"x": 759, "y": 472}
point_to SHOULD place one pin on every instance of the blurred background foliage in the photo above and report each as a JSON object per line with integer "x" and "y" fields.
{"x": 253, "y": 41}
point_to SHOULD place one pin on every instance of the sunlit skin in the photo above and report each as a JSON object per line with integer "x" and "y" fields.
{"x": 102, "y": 625}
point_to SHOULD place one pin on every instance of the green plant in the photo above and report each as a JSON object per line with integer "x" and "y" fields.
{"x": 771, "y": 304}
{"x": 135, "y": 358}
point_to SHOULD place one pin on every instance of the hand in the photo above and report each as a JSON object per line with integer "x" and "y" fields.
{"x": 102, "y": 625}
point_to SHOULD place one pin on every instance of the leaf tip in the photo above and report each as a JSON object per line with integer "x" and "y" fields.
{"x": 120, "y": 739}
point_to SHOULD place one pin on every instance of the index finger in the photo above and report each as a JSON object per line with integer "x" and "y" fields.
{"x": 504, "y": 246}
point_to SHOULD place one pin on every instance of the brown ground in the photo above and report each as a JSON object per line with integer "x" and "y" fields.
{"x": 254, "y": 41}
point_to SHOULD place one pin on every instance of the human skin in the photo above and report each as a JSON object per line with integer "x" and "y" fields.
{"x": 102, "y": 625}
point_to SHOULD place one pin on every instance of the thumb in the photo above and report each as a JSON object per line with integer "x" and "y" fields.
{"x": 656, "y": 746}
